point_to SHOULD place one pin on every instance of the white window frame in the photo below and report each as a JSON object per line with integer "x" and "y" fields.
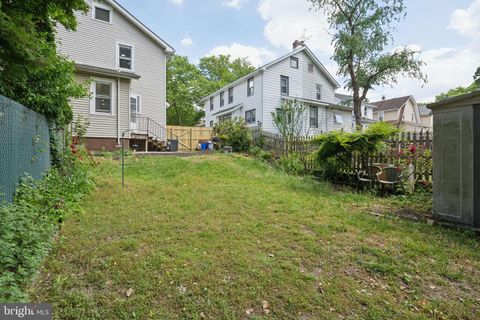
{"x": 318, "y": 91}
{"x": 96, "y": 5}
{"x": 250, "y": 90}
{"x": 381, "y": 116}
{"x": 125, "y": 44}
{"x": 282, "y": 77}
{"x": 250, "y": 113}
{"x": 338, "y": 118}
{"x": 139, "y": 102}
{"x": 230, "y": 95}
{"x": 222, "y": 98}
{"x": 297, "y": 62}
{"x": 212, "y": 103}
{"x": 310, "y": 110}
{"x": 93, "y": 89}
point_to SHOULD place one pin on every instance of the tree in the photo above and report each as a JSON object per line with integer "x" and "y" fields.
{"x": 221, "y": 70}
{"x": 362, "y": 30}
{"x": 475, "y": 86}
{"x": 185, "y": 88}
{"x": 291, "y": 121}
{"x": 32, "y": 72}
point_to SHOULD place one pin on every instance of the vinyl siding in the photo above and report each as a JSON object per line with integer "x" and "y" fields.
{"x": 104, "y": 126}
{"x": 239, "y": 97}
{"x": 95, "y": 44}
{"x": 302, "y": 84}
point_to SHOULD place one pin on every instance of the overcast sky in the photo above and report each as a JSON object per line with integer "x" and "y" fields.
{"x": 446, "y": 31}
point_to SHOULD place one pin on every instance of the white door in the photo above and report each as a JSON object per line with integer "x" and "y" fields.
{"x": 134, "y": 111}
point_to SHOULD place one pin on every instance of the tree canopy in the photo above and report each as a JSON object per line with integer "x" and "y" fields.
{"x": 187, "y": 84}
{"x": 362, "y": 32}
{"x": 32, "y": 72}
{"x": 475, "y": 86}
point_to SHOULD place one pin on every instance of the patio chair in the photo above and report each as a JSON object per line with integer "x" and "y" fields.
{"x": 367, "y": 177}
{"x": 389, "y": 177}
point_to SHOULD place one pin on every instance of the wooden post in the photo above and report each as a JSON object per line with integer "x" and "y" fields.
{"x": 191, "y": 139}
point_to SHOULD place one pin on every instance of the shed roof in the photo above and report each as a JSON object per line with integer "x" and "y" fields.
{"x": 465, "y": 99}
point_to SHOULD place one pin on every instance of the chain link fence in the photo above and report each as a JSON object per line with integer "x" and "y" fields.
{"x": 24, "y": 146}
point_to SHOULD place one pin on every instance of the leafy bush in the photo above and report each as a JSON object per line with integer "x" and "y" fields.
{"x": 235, "y": 134}
{"x": 336, "y": 149}
{"x": 292, "y": 163}
{"x": 261, "y": 154}
{"x": 28, "y": 225}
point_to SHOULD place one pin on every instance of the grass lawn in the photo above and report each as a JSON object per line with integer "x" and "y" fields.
{"x": 226, "y": 237}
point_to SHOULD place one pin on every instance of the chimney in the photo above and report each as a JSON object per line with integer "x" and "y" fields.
{"x": 297, "y": 44}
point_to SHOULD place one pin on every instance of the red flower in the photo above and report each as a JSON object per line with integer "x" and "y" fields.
{"x": 413, "y": 148}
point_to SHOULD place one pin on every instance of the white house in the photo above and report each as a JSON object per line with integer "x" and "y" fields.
{"x": 124, "y": 64}
{"x": 367, "y": 110}
{"x": 402, "y": 112}
{"x": 298, "y": 75}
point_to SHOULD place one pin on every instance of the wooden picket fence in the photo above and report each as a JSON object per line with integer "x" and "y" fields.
{"x": 276, "y": 144}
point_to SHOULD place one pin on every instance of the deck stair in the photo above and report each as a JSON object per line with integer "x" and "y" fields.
{"x": 156, "y": 135}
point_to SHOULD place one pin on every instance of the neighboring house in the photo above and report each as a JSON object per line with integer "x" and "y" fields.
{"x": 401, "y": 112}
{"x": 367, "y": 110}
{"x": 298, "y": 75}
{"x": 426, "y": 116}
{"x": 124, "y": 64}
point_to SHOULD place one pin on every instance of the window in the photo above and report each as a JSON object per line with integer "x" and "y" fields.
{"x": 381, "y": 116}
{"x": 250, "y": 87}
{"x": 103, "y": 97}
{"x": 413, "y": 116}
{"x": 294, "y": 62}
{"x": 211, "y": 103}
{"x": 313, "y": 117}
{"x": 211, "y": 124}
{"x": 135, "y": 104}
{"x": 230, "y": 95}
{"x": 310, "y": 67}
{"x": 125, "y": 57}
{"x": 222, "y": 99}
{"x": 365, "y": 112}
{"x": 338, "y": 118}
{"x": 250, "y": 116}
{"x": 284, "y": 86}
{"x": 226, "y": 117}
{"x": 101, "y": 13}
{"x": 318, "y": 92}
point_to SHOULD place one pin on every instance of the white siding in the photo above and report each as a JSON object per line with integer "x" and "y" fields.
{"x": 95, "y": 44}
{"x": 104, "y": 126}
{"x": 239, "y": 97}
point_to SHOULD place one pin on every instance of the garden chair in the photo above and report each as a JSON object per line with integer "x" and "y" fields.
{"x": 389, "y": 177}
{"x": 367, "y": 177}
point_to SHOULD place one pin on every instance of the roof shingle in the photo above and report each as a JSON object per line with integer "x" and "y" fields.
{"x": 391, "y": 104}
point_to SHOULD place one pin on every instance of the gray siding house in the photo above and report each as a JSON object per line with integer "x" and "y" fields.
{"x": 299, "y": 76}
{"x": 123, "y": 63}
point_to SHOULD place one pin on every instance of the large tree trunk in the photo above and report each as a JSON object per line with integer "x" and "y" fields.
{"x": 357, "y": 111}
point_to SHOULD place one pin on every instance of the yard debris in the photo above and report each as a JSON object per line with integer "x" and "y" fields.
{"x": 264, "y": 305}
{"x": 249, "y": 311}
{"x": 130, "y": 292}
{"x": 271, "y": 255}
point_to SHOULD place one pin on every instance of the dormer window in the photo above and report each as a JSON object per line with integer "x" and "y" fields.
{"x": 125, "y": 57}
{"x": 101, "y": 12}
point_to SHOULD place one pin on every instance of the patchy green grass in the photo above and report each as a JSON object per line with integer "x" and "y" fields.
{"x": 226, "y": 237}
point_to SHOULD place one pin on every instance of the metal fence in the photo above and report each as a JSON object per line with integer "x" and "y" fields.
{"x": 24, "y": 146}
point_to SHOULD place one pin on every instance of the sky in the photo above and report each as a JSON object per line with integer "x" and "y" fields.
{"x": 446, "y": 32}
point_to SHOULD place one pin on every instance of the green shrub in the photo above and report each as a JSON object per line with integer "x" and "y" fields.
{"x": 261, "y": 154}
{"x": 28, "y": 225}
{"x": 336, "y": 149}
{"x": 292, "y": 163}
{"x": 234, "y": 133}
